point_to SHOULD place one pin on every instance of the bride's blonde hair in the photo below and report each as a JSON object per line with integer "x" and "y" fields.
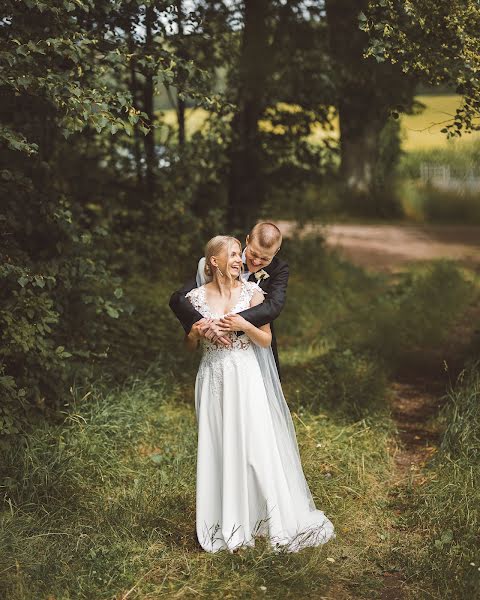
{"x": 214, "y": 247}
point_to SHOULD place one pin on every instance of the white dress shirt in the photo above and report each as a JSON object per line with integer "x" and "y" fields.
{"x": 246, "y": 273}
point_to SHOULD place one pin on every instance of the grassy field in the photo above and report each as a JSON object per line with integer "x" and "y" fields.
{"x": 102, "y": 505}
{"x": 105, "y": 505}
{"x": 420, "y": 131}
{"x": 423, "y": 131}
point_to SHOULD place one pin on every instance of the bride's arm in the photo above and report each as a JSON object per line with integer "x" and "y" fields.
{"x": 192, "y": 338}
{"x": 262, "y": 336}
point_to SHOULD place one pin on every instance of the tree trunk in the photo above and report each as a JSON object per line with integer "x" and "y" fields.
{"x": 246, "y": 187}
{"x": 362, "y": 112}
{"x": 180, "y": 100}
{"x": 134, "y": 87}
{"x": 148, "y": 91}
{"x": 359, "y": 145}
{"x": 366, "y": 92}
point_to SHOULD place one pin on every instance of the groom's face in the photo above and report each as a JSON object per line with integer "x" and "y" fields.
{"x": 258, "y": 257}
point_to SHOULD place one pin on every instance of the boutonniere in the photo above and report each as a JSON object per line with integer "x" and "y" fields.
{"x": 261, "y": 275}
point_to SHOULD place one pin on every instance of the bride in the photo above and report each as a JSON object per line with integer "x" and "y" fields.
{"x": 250, "y": 481}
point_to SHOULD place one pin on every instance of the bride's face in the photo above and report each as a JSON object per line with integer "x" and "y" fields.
{"x": 230, "y": 261}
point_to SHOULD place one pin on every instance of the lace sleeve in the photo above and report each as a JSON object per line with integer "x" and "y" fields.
{"x": 194, "y": 297}
{"x": 251, "y": 288}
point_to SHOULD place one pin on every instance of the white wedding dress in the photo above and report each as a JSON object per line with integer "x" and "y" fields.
{"x": 250, "y": 480}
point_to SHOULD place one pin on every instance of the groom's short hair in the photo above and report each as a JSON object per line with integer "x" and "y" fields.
{"x": 266, "y": 234}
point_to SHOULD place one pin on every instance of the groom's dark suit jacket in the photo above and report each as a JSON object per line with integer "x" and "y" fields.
{"x": 275, "y": 288}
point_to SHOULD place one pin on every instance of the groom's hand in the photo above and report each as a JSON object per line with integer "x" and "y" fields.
{"x": 198, "y": 329}
{"x": 216, "y": 333}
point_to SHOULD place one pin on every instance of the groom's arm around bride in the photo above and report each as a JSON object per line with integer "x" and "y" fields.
{"x": 263, "y": 266}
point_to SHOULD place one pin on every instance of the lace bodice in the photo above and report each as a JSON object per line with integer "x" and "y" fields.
{"x": 198, "y": 299}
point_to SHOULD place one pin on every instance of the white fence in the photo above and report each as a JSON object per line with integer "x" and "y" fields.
{"x": 440, "y": 177}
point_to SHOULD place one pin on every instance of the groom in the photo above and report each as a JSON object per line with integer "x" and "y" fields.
{"x": 261, "y": 265}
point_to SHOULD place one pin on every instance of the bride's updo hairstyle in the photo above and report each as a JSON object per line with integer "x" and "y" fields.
{"x": 214, "y": 247}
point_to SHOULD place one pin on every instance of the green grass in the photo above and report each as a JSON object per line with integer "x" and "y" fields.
{"x": 105, "y": 502}
{"x": 445, "y": 511}
{"x": 102, "y": 505}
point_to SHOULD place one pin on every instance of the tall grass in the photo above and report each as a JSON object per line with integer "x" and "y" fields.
{"x": 352, "y": 330}
{"x": 102, "y": 504}
{"x": 446, "y": 510}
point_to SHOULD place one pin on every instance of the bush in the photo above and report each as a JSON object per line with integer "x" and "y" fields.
{"x": 357, "y": 328}
{"x": 353, "y": 384}
{"x": 425, "y": 202}
{"x": 406, "y": 325}
{"x": 148, "y": 336}
{"x": 56, "y": 299}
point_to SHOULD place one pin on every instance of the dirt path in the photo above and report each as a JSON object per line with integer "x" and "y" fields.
{"x": 391, "y": 247}
{"x": 413, "y": 405}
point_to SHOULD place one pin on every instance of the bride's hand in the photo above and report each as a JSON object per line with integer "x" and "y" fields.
{"x": 215, "y": 332}
{"x": 235, "y": 323}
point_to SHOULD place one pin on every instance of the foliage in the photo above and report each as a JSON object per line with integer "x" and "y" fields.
{"x": 359, "y": 328}
{"x": 424, "y": 202}
{"x": 385, "y": 189}
{"x": 70, "y": 217}
{"x": 403, "y": 327}
{"x": 454, "y": 201}
{"x": 436, "y": 42}
{"x": 54, "y": 306}
{"x": 350, "y": 383}
{"x": 148, "y": 337}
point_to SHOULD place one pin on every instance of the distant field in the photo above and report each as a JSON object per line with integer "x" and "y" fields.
{"x": 421, "y": 131}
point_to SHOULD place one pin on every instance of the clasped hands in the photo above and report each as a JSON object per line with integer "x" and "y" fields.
{"x": 216, "y": 330}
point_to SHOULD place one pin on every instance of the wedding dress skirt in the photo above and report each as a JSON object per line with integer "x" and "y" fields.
{"x": 250, "y": 481}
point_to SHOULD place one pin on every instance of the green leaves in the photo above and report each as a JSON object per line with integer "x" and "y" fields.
{"x": 62, "y": 353}
{"x": 16, "y": 141}
{"x": 112, "y": 311}
{"x": 436, "y": 42}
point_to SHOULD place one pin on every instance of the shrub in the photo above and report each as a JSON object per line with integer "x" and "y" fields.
{"x": 55, "y": 302}
{"x": 357, "y": 328}
{"x": 349, "y": 382}
{"x": 406, "y": 323}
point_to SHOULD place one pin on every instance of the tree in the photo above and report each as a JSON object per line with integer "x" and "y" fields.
{"x": 366, "y": 94}
{"x": 66, "y": 127}
{"x": 437, "y": 42}
{"x": 246, "y": 183}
